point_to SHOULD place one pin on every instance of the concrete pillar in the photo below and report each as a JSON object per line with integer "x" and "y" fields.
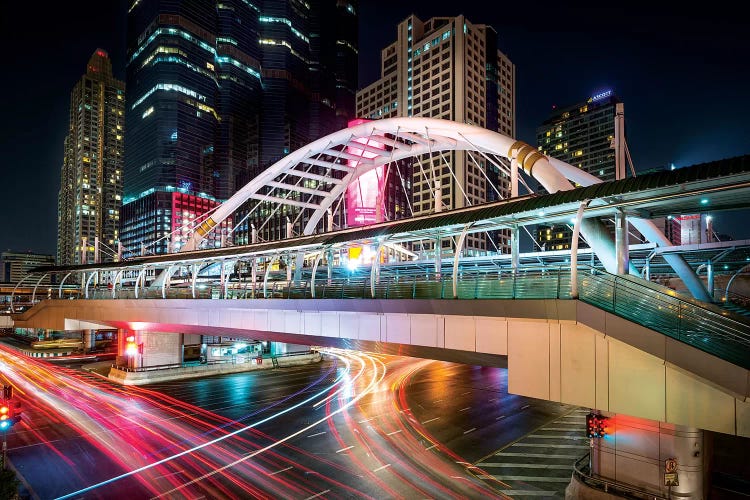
{"x": 89, "y": 340}
{"x": 635, "y": 452}
{"x": 621, "y": 243}
{"x": 514, "y": 247}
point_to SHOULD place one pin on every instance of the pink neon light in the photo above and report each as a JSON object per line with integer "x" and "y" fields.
{"x": 364, "y": 195}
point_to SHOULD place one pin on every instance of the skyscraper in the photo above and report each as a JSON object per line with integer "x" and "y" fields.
{"x": 582, "y": 135}
{"x": 219, "y": 92}
{"x": 91, "y": 178}
{"x": 448, "y": 67}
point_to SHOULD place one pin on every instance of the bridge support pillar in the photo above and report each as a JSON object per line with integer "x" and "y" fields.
{"x": 89, "y": 340}
{"x": 635, "y": 451}
{"x": 621, "y": 243}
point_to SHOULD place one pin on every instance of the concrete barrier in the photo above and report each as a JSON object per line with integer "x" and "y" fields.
{"x": 152, "y": 376}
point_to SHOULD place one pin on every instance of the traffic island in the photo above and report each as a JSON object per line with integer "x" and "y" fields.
{"x": 163, "y": 373}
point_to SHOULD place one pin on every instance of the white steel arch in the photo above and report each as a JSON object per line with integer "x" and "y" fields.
{"x": 289, "y": 180}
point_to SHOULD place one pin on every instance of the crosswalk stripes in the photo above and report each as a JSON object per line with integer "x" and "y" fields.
{"x": 540, "y": 464}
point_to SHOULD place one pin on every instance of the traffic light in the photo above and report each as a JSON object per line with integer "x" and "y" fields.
{"x": 6, "y": 416}
{"x": 131, "y": 349}
{"x": 7, "y": 392}
{"x": 596, "y": 426}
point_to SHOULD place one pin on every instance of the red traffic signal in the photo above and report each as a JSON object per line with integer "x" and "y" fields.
{"x": 6, "y": 417}
{"x": 596, "y": 426}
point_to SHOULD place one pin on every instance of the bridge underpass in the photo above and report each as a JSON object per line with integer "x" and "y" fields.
{"x": 662, "y": 365}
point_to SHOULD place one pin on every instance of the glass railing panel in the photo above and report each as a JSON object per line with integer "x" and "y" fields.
{"x": 467, "y": 288}
{"x": 401, "y": 290}
{"x": 535, "y": 284}
{"x": 649, "y": 308}
{"x": 356, "y": 290}
{"x": 495, "y": 288}
{"x": 597, "y": 289}
{"x": 427, "y": 290}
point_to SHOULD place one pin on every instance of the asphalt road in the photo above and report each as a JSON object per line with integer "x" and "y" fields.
{"x": 352, "y": 426}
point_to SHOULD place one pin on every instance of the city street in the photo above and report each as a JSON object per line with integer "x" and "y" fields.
{"x": 352, "y": 426}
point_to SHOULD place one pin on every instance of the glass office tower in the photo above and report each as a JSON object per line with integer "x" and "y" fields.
{"x": 219, "y": 91}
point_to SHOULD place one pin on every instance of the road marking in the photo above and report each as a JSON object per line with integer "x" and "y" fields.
{"x": 529, "y": 493}
{"x": 464, "y": 409}
{"x": 430, "y": 420}
{"x": 431, "y": 447}
{"x": 280, "y": 471}
{"x": 470, "y": 430}
{"x": 557, "y": 436}
{"x": 536, "y": 455}
{"x": 366, "y": 420}
{"x": 465, "y": 393}
{"x": 500, "y": 417}
{"x": 318, "y": 494}
{"x": 394, "y": 432}
{"x": 381, "y": 468}
{"x": 344, "y": 449}
{"x": 316, "y": 434}
{"x": 564, "y": 429}
{"x": 497, "y": 465}
{"x": 525, "y": 406}
{"x": 534, "y": 478}
{"x": 538, "y": 445}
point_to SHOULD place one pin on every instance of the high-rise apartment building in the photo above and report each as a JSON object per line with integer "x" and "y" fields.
{"x": 220, "y": 91}
{"x": 91, "y": 179}
{"x": 448, "y": 68}
{"x": 582, "y": 135}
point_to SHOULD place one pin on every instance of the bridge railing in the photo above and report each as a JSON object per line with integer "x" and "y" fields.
{"x": 702, "y": 325}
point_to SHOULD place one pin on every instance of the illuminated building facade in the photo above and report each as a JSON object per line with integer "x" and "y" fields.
{"x": 14, "y": 266}
{"x": 91, "y": 177}
{"x": 219, "y": 91}
{"x": 448, "y": 68}
{"x": 583, "y": 136}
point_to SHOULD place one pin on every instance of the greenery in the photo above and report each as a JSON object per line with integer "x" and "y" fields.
{"x": 8, "y": 485}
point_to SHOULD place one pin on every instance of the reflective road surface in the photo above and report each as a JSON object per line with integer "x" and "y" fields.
{"x": 355, "y": 425}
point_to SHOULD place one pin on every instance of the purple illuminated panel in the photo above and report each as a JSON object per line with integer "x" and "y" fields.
{"x": 364, "y": 195}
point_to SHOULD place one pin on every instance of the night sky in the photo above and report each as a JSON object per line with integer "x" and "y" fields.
{"x": 682, "y": 73}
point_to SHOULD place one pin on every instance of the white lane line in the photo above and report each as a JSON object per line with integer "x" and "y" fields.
{"x": 557, "y": 436}
{"x": 465, "y": 393}
{"x": 381, "y": 468}
{"x": 539, "y": 445}
{"x": 571, "y": 428}
{"x": 470, "y": 430}
{"x": 500, "y": 417}
{"x": 431, "y": 447}
{"x": 317, "y": 494}
{"x": 280, "y": 471}
{"x": 525, "y": 406}
{"x": 394, "y": 432}
{"x": 536, "y": 455}
{"x": 344, "y": 449}
{"x": 533, "y": 478}
{"x": 529, "y": 493}
{"x": 430, "y": 420}
{"x": 496, "y": 465}
{"x": 366, "y": 420}
{"x": 316, "y": 434}
{"x": 464, "y": 409}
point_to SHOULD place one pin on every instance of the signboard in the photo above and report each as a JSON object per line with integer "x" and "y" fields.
{"x": 670, "y": 465}
{"x": 670, "y": 479}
